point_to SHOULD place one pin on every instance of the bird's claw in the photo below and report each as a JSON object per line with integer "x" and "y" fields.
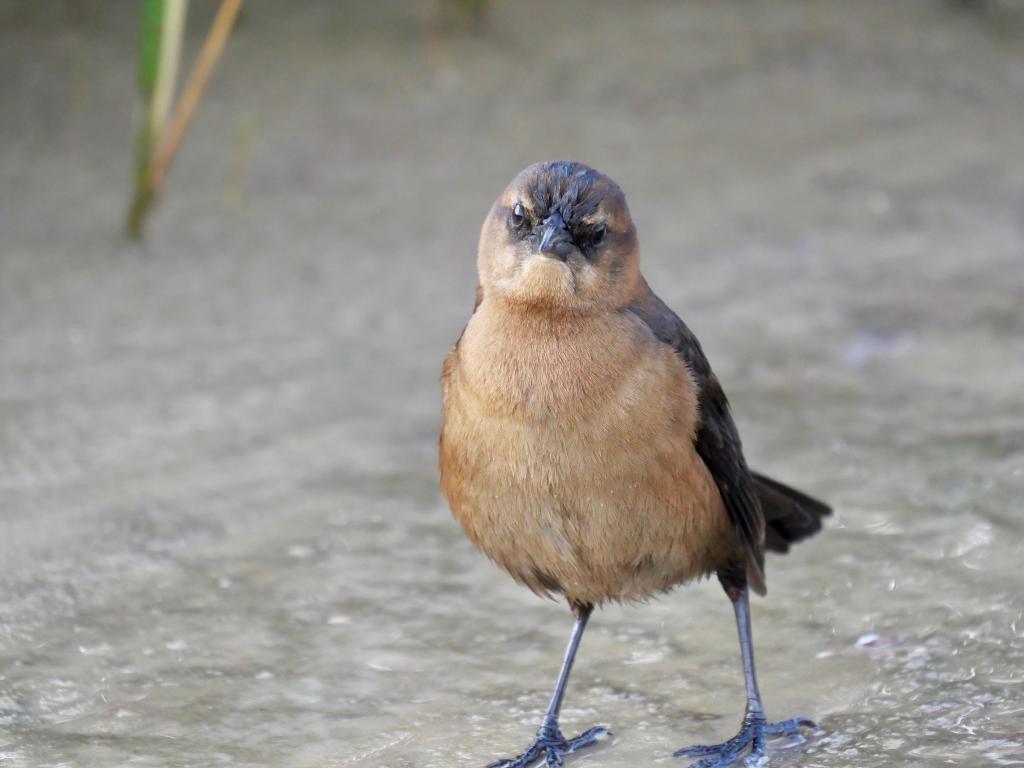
{"x": 552, "y": 746}
{"x": 754, "y": 734}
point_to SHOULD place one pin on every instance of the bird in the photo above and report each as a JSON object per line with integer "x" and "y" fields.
{"x": 587, "y": 446}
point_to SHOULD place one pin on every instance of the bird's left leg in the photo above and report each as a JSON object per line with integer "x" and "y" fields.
{"x": 756, "y": 729}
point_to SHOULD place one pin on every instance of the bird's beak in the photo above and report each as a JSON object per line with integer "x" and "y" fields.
{"x": 555, "y": 238}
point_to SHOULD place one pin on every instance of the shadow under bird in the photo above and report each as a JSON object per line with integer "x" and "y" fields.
{"x": 587, "y": 447}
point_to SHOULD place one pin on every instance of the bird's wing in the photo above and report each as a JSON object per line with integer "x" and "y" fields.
{"x": 717, "y": 441}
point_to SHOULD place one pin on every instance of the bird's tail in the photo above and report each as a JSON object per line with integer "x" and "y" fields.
{"x": 789, "y": 514}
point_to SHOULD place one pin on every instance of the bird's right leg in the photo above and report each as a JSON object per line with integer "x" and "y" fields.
{"x": 550, "y": 744}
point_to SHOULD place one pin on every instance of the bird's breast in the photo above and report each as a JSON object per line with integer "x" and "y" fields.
{"x": 567, "y": 453}
{"x": 570, "y": 372}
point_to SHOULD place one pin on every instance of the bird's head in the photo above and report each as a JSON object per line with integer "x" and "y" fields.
{"x": 560, "y": 237}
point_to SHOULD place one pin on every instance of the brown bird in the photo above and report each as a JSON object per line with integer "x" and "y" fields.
{"x": 587, "y": 446}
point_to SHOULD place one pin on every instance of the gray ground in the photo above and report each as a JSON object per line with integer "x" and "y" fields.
{"x": 222, "y": 541}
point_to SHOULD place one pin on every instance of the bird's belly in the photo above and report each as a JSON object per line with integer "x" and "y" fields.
{"x": 600, "y": 501}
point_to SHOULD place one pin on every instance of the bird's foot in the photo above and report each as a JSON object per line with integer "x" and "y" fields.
{"x": 551, "y": 746}
{"x": 754, "y": 734}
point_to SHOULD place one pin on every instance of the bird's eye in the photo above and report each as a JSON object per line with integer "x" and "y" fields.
{"x": 517, "y": 217}
{"x": 597, "y": 236}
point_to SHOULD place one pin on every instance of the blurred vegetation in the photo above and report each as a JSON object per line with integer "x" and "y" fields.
{"x": 160, "y": 136}
{"x": 161, "y": 131}
{"x": 471, "y": 14}
{"x": 163, "y": 29}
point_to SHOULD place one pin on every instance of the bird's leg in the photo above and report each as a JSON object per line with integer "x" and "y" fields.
{"x": 756, "y": 730}
{"x": 550, "y": 745}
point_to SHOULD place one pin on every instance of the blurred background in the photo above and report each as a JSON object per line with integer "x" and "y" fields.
{"x": 221, "y": 538}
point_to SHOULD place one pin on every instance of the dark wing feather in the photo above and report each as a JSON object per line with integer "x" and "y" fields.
{"x": 717, "y": 441}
